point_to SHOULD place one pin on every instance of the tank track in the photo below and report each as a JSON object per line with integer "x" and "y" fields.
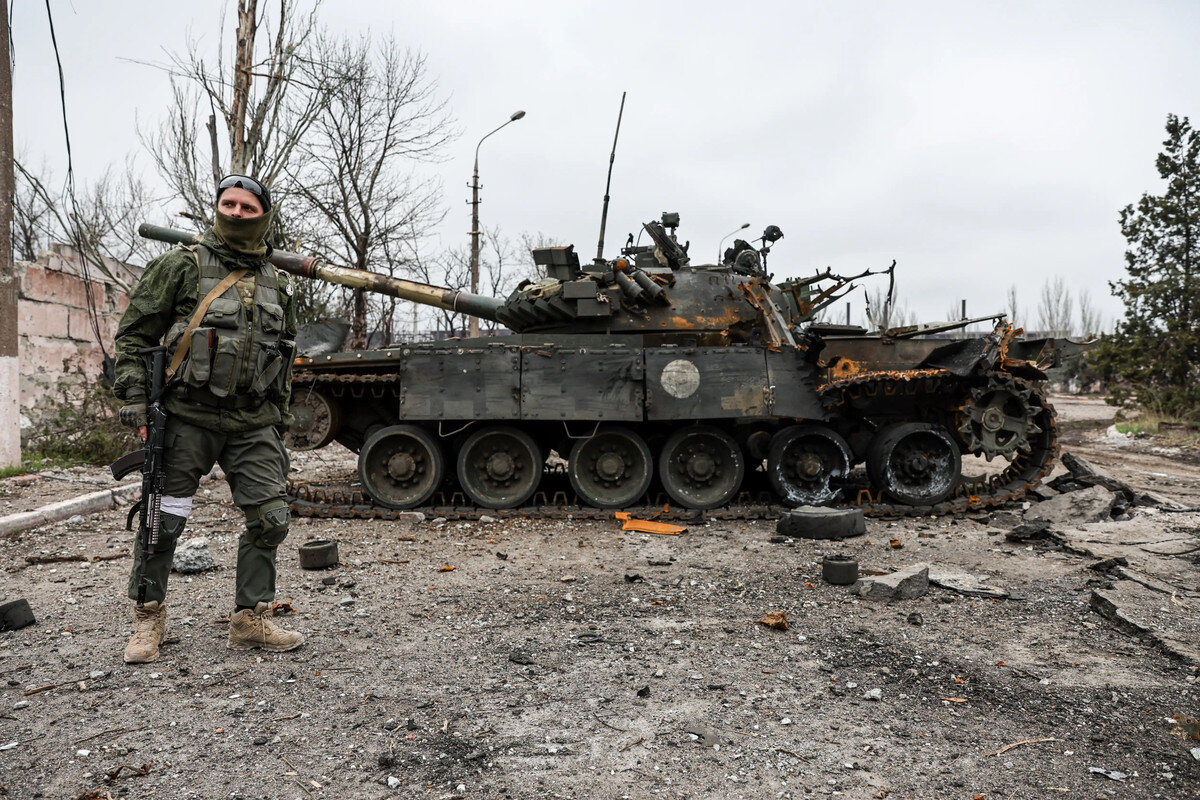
{"x": 557, "y": 501}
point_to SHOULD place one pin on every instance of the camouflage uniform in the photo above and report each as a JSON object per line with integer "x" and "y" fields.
{"x": 227, "y": 404}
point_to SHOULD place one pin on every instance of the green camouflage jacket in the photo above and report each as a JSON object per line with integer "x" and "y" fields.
{"x": 167, "y": 293}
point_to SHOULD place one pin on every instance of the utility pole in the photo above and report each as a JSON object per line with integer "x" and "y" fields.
{"x": 473, "y": 322}
{"x": 10, "y": 389}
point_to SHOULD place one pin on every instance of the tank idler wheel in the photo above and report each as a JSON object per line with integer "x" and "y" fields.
{"x": 914, "y": 463}
{"x": 401, "y": 466}
{"x": 701, "y": 467}
{"x": 611, "y": 469}
{"x": 805, "y": 462}
{"x": 318, "y": 420}
{"x": 499, "y": 467}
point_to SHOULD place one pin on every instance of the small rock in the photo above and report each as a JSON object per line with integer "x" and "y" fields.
{"x": 21, "y": 704}
{"x": 8, "y": 746}
{"x": 260, "y": 740}
{"x": 776, "y": 620}
{"x": 392, "y": 781}
{"x": 633, "y": 577}
{"x": 873, "y": 694}
{"x": 75, "y": 520}
{"x": 520, "y": 657}
{"x": 97, "y": 674}
{"x": 1112, "y": 775}
{"x": 192, "y": 556}
{"x": 462, "y": 787}
{"x": 1196, "y": 753}
{"x": 330, "y": 581}
{"x": 644, "y": 691}
{"x": 1030, "y": 531}
{"x": 391, "y": 725}
{"x": 907, "y": 584}
{"x": 439, "y": 521}
{"x": 485, "y": 519}
{"x": 502, "y": 556}
{"x": 83, "y": 753}
{"x": 346, "y": 601}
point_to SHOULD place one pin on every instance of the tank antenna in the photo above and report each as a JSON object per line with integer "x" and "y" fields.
{"x": 608, "y": 183}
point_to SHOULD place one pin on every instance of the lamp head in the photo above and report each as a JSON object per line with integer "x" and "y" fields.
{"x": 516, "y": 116}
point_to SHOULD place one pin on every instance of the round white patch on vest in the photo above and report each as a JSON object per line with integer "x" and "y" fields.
{"x": 680, "y": 378}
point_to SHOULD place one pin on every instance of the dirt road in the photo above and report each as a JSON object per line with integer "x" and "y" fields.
{"x": 531, "y": 659}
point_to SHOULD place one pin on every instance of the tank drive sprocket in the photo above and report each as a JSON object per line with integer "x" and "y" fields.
{"x": 999, "y": 418}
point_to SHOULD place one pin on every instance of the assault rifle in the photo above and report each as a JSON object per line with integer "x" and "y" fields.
{"x": 150, "y": 461}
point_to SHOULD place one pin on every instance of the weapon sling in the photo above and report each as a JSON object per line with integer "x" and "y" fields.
{"x": 185, "y": 343}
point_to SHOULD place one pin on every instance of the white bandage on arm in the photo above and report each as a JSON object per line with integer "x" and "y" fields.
{"x": 179, "y": 506}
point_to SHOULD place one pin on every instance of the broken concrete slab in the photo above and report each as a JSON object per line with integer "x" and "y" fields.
{"x": 1088, "y": 474}
{"x": 1139, "y": 611}
{"x": 907, "y": 584}
{"x": 1038, "y": 529}
{"x": 966, "y": 584}
{"x": 1093, "y": 504}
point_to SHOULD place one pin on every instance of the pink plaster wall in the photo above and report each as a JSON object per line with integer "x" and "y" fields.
{"x": 58, "y": 348}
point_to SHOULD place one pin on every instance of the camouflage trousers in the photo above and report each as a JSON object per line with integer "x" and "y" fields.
{"x": 255, "y": 464}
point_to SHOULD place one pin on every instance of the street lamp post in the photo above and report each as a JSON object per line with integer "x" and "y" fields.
{"x": 473, "y": 323}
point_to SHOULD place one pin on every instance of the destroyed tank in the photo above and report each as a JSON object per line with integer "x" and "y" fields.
{"x": 659, "y": 380}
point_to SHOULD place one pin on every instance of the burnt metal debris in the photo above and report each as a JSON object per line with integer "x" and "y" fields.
{"x": 657, "y": 380}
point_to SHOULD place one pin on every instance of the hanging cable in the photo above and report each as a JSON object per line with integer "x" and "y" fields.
{"x": 76, "y": 231}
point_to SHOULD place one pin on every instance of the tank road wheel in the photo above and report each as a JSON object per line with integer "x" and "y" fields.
{"x": 499, "y": 467}
{"x": 401, "y": 466}
{"x": 611, "y": 469}
{"x": 318, "y": 420}
{"x": 999, "y": 419}
{"x": 804, "y": 462}
{"x": 701, "y": 467}
{"x": 915, "y": 463}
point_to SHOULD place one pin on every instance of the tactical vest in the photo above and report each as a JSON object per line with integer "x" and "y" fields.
{"x": 237, "y": 351}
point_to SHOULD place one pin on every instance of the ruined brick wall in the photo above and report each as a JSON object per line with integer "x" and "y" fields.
{"x": 58, "y": 347}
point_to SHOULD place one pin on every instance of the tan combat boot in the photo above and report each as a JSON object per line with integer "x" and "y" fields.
{"x": 149, "y": 631}
{"x": 253, "y": 628}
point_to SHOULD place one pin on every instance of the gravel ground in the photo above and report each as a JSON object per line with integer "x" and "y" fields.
{"x": 529, "y": 659}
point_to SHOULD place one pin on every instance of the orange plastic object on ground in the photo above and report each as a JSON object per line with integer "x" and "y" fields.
{"x": 646, "y": 526}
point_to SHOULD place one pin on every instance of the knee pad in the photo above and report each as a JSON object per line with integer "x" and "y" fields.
{"x": 267, "y": 525}
{"x": 170, "y": 528}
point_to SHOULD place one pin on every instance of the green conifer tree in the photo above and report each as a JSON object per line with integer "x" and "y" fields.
{"x": 1153, "y": 357}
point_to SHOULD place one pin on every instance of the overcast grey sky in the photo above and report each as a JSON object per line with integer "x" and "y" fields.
{"x": 977, "y": 144}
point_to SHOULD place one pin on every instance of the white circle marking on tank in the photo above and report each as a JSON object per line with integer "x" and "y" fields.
{"x": 680, "y": 378}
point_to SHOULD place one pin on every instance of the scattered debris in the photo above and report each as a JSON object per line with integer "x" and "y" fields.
{"x": 1033, "y": 531}
{"x": 15, "y": 615}
{"x": 818, "y": 522}
{"x": 1112, "y": 775}
{"x": 873, "y": 694}
{"x": 648, "y": 526}
{"x": 1008, "y": 747}
{"x": 192, "y": 556}
{"x": 839, "y": 570}
{"x": 445, "y": 568}
{"x": 967, "y": 585}
{"x": 907, "y": 584}
{"x": 318, "y": 554}
{"x": 776, "y": 620}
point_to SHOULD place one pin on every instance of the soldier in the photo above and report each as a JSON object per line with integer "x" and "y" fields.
{"x": 227, "y": 398}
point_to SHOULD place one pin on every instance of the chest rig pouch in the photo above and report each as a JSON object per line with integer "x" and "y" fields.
{"x": 237, "y": 350}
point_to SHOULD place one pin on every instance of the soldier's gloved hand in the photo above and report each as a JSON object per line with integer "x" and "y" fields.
{"x": 133, "y": 414}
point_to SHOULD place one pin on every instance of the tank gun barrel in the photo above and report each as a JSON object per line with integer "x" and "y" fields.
{"x": 312, "y": 267}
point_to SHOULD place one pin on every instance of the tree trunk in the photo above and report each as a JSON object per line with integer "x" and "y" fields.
{"x": 243, "y": 63}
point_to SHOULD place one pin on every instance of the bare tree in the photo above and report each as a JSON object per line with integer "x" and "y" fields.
{"x": 1055, "y": 308}
{"x": 265, "y": 99}
{"x": 33, "y": 218}
{"x": 100, "y": 222}
{"x": 1089, "y": 315}
{"x": 354, "y": 173}
{"x": 1011, "y": 307}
